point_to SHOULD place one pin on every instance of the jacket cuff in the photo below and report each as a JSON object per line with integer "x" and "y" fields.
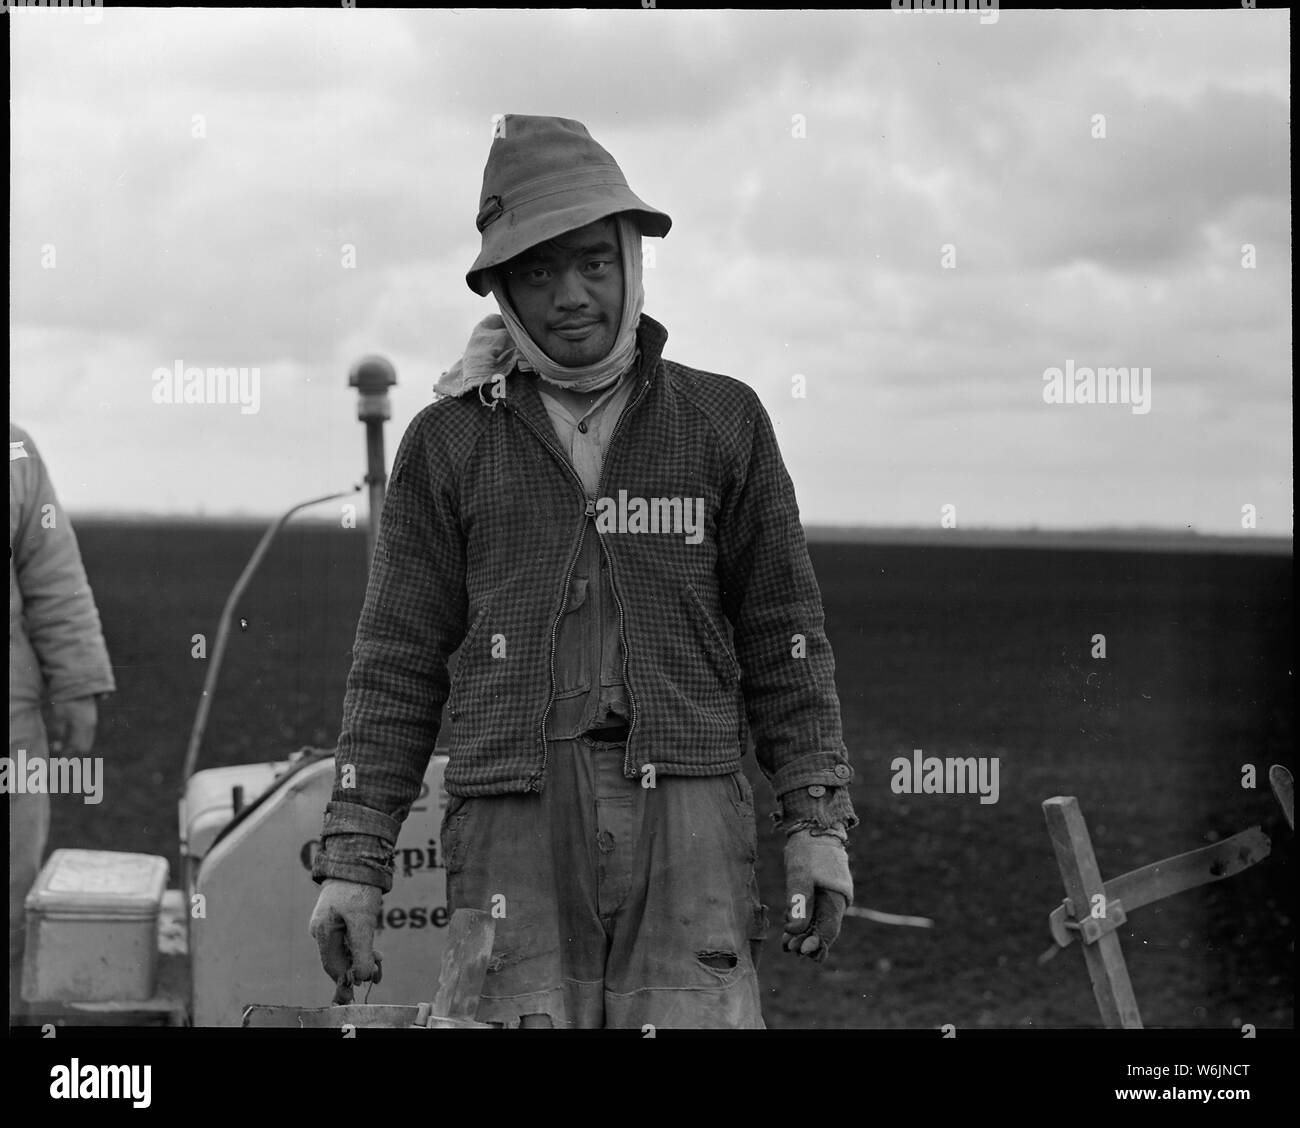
{"x": 817, "y": 807}
{"x": 362, "y": 858}
{"x": 353, "y": 818}
{"x": 829, "y": 769}
{"x": 75, "y": 691}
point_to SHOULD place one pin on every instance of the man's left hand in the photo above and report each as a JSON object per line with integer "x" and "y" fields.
{"x": 72, "y": 726}
{"x": 818, "y": 888}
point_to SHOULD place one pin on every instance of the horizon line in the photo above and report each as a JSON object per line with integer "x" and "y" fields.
{"x": 1118, "y": 536}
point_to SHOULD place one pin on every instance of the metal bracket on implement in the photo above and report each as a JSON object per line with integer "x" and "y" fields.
{"x": 1066, "y": 926}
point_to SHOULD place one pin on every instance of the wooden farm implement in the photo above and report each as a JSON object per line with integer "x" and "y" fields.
{"x": 1094, "y": 910}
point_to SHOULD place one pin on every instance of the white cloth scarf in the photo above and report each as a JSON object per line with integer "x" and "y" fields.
{"x": 500, "y": 341}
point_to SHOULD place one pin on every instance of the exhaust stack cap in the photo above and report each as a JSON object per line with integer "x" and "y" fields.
{"x": 372, "y": 376}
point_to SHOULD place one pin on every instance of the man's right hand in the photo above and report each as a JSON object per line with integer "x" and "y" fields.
{"x": 72, "y": 726}
{"x": 343, "y": 925}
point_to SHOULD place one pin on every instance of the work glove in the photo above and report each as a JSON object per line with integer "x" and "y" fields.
{"x": 343, "y": 926}
{"x": 72, "y": 726}
{"x": 818, "y": 888}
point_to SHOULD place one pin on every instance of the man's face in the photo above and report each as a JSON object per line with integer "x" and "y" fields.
{"x": 568, "y": 292}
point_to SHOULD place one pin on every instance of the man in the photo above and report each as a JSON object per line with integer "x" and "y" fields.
{"x": 56, "y": 651}
{"x": 612, "y": 541}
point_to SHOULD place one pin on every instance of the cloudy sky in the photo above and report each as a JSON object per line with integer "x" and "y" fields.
{"x": 184, "y": 184}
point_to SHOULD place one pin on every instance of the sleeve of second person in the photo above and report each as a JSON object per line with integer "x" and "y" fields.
{"x": 59, "y": 614}
{"x": 412, "y": 620}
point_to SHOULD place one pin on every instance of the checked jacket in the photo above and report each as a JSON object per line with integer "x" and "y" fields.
{"x": 478, "y": 537}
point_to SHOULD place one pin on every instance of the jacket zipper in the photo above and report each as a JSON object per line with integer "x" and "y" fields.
{"x": 564, "y": 597}
{"x": 622, "y": 634}
{"x": 589, "y": 510}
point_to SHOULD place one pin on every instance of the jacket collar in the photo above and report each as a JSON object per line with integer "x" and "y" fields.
{"x": 522, "y": 394}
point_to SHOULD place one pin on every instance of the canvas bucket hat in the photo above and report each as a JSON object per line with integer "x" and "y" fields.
{"x": 546, "y": 176}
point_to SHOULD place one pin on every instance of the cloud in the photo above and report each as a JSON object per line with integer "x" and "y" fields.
{"x": 294, "y": 189}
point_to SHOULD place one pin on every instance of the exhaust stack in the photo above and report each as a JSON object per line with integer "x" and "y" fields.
{"x": 372, "y": 376}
